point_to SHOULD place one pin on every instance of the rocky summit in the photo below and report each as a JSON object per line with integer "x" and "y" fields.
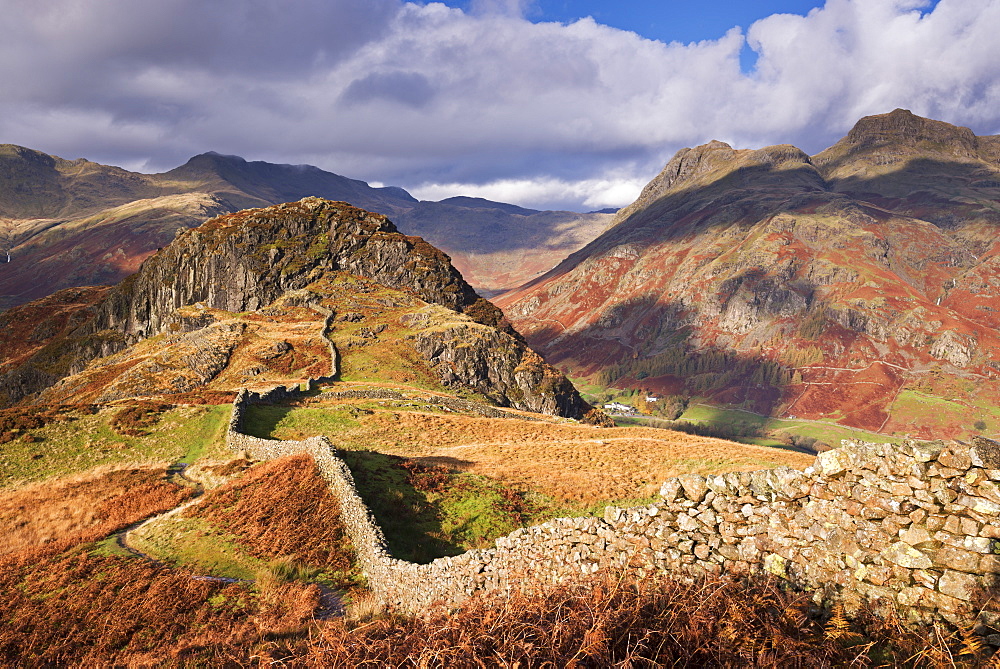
{"x": 858, "y": 285}
{"x": 69, "y": 223}
{"x": 294, "y": 413}
{"x": 278, "y": 294}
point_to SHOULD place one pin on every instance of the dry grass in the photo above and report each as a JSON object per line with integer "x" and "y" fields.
{"x": 283, "y": 509}
{"x": 256, "y": 362}
{"x": 68, "y": 447}
{"x": 65, "y": 605}
{"x": 78, "y": 609}
{"x": 94, "y": 503}
{"x": 17, "y": 423}
{"x": 213, "y": 473}
{"x": 133, "y": 419}
{"x": 656, "y": 622}
{"x": 282, "y": 345}
{"x": 572, "y": 463}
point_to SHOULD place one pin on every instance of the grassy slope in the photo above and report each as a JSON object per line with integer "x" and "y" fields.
{"x": 462, "y": 441}
{"x": 81, "y": 505}
{"x": 703, "y": 413}
{"x": 371, "y": 335}
{"x": 429, "y": 511}
{"x": 278, "y": 515}
{"x": 554, "y": 468}
{"x": 104, "y": 611}
{"x": 831, "y": 433}
{"x": 184, "y": 433}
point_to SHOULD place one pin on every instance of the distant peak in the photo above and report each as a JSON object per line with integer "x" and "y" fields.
{"x": 713, "y": 160}
{"x": 689, "y": 163}
{"x": 483, "y": 203}
{"x": 213, "y": 156}
{"x": 211, "y": 164}
{"x": 903, "y": 127}
{"x": 396, "y": 191}
{"x": 26, "y": 154}
{"x": 714, "y": 144}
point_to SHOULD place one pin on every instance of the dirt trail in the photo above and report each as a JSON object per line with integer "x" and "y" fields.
{"x": 174, "y": 473}
{"x": 331, "y": 603}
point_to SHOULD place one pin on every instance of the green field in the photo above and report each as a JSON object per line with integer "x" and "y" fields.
{"x": 936, "y": 413}
{"x": 429, "y": 512}
{"x": 821, "y": 430}
{"x": 193, "y": 543}
{"x": 750, "y": 423}
{"x": 295, "y": 422}
{"x": 184, "y": 433}
{"x": 831, "y": 433}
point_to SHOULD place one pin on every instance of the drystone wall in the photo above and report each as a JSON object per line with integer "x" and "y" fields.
{"x": 447, "y": 403}
{"x": 914, "y": 525}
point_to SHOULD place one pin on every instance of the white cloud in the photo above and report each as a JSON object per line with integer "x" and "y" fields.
{"x": 854, "y": 58}
{"x": 505, "y": 7}
{"x": 417, "y": 95}
{"x": 542, "y": 193}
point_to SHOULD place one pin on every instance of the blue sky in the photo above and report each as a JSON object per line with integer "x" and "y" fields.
{"x": 671, "y": 20}
{"x": 664, "y": 20}
{"x": 545, "y": 103}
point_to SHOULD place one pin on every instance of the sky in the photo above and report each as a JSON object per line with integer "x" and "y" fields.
{"x": 570, "y": 104}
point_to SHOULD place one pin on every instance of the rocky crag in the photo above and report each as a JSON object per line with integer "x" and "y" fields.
{"x": 243, "y": 261}
{"x": 268, "y": 295}
{"x": 857, "y": 285}
{"x": 76, "y": 223}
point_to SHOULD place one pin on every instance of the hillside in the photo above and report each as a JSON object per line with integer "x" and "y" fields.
{"x": 125, "y": 396}
{"x": 291, "y": 415}
{"x": 856, "y": 286}
{"x": 78, "y": 223}
{"x": 249, "y": 297}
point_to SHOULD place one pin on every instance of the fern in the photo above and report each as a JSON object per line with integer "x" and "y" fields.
{"x": 838, "y": 627}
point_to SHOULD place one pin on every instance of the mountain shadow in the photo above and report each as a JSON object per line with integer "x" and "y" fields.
{"x": 869, "y": 268}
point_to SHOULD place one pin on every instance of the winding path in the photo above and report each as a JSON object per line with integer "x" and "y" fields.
{"x": 331, "y": 602}
{"x": 175, "y": 471}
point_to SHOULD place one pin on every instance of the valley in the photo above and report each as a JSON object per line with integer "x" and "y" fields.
{"x": 401, "y": 384}
{"x": 362, "y": 434}
{"x": 855, "y": 286}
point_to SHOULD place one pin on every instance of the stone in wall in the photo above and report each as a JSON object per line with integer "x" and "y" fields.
{"x": 913, "y": 525}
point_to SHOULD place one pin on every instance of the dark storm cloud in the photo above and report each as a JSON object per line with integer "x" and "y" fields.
{"x": 485, "y": 102}
{"x": 262, "y": 38}
{"x": 408, "y": 88}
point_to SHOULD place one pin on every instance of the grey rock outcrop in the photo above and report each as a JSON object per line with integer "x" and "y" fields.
{"x": 499, "y": 367}
{"x": 242, "y": 262}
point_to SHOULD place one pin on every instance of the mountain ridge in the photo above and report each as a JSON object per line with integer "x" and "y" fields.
{"x": 840, "y": 286}
{"x": 241, "y": 274}
{"x": 71, "y": 223}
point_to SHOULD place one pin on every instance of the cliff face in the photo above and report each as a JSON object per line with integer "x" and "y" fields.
{"x": 77, "y": 223}
{"x": 843, "y": 286}
{"x": 495, "y": 365}
{"x": 195, "y": 316}
{"x": 243, "y": 261}
{"x": 36, "y": 342}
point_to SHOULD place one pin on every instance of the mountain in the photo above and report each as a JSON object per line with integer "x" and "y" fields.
{"x": 250, "y": 287}
{"x": 74, "y": 223}
{"x": 856, "y": 286}
{"x": 203, "y": 459}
